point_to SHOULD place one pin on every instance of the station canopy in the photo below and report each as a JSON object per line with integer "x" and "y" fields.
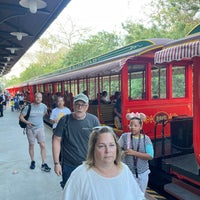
{"x": 185, "y": 48}
{"x": 22, "y": 22}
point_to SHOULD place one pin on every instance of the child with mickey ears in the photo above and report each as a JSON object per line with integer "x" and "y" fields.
{"x": 138, "y": 149}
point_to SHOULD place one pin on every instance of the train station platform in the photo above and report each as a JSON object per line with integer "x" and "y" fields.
{"x": 17, "y": 181}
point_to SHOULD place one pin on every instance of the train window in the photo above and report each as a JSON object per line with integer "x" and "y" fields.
{"x": 42, "y": 88}
{"x": 81, "y": 85}
{"x": 58, "y": 87}
{"x": 74, "y": 88}
{"x": 67, "y": 87}
{"x": 137, "y": 82}
{"x": 50, "y": 89}
{"x": 92, "y": 88}
{"x": 115, "y": 84}
{"x": 158, "y": 82}
{"x": 105, "y": 82}
{"x": 178, "y": 81}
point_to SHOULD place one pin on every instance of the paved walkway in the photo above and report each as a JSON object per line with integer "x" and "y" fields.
{"x": 17, "y": 181}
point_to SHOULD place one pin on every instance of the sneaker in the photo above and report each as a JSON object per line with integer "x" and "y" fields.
{"x": 45, "y": 168}
{"x": 32, "y": 166}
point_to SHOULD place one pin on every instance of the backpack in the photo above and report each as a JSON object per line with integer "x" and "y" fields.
{"x": 22, "y": 124}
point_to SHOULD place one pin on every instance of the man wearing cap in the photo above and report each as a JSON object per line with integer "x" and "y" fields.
{"x": 74, "y": 130}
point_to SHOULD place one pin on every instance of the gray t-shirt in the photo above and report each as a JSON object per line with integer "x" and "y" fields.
{"x": 36, "y": 114}
{"x": 75, "y": 135}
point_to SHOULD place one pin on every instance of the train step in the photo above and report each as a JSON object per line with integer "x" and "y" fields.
{"x": 181, "y": 191}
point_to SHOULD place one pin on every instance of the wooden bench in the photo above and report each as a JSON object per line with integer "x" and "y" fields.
{"x": 93, "y": 109}
{"x": 105, "y": 115}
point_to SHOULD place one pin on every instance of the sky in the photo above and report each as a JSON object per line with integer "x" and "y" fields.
{"x": 104, "y": 14}
{"x": 98, "y": 15}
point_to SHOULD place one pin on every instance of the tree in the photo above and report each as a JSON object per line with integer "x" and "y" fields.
{"x": 168, "y": 19}
{"x": 176, "y": 17}
{"x": 136, "y": 31}
{"x": 12, "y": 81}
{"x": 68, "y": 33}
{"x": 95, "y": 45}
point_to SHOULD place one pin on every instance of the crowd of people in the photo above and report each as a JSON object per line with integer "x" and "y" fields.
{"x": 93, "y": 164}
{"x": 16, "y": 102}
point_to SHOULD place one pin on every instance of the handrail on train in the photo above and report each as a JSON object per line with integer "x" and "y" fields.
{"x": 164, "y": 123}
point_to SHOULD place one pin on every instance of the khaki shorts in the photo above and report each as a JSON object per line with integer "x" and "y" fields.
{"x": 36, "y": 133}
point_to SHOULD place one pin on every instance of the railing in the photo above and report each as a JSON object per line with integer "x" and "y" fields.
{"x": 163, "y": 123}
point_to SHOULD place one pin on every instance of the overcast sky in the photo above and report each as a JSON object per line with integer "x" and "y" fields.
{"x": 98, "y": 15}
{"x": 104, "y": 14}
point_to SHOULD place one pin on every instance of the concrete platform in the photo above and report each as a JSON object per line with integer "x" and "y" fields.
{"x": 17, "y": 181}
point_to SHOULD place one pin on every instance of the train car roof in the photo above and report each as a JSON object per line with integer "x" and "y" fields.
{"x": 16, "y": 18}
{"x": 184, "y": 48}
{"x": 110, "y": 63}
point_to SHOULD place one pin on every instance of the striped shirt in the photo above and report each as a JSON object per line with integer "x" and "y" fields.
{"x": 145, "y": 146}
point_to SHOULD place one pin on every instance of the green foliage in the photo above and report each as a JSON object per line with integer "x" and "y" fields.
{"x": 176, "y": 17}
{"x": 13, "y": 81}
{"x": 95, "y": 45}
{"x": 169, "y": 19}
{"x": 137, "y": 32}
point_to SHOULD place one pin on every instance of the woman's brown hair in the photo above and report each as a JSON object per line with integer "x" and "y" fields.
{"x": 93, "y": 140}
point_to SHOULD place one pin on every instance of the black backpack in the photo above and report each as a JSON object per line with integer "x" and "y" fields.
{"x": 22, "y": 124}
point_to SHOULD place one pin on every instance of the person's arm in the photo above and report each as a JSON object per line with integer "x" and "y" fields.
{"x": 149, "y": 151}
{"x": 143, "y": 156}
{"x": 53, "y": 121}
{"x": 56, "y": 145}
{"x": 21, "y": 118}
{"x": 117, "y": 113}
{"x": 52, "y": 118}
{"x": 45, "y": 110}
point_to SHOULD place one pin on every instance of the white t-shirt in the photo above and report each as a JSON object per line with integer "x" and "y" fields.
{"x": 57, "y": 113}
{"x": 85, "y": 184}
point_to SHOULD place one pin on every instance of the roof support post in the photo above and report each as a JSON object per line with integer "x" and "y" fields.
{"x": 196, "y": 107}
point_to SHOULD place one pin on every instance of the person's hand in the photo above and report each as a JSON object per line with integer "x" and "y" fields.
{"x": 58, "y": 169}
{"x": 30, "y": 124}
{"x": 130, "y": 152}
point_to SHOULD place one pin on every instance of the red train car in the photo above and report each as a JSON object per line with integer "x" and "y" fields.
{"x": 185, "y": 167}
{"x": 159, "y": 92}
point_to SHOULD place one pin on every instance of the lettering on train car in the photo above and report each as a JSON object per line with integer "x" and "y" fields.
{"x": 160, "y": 116}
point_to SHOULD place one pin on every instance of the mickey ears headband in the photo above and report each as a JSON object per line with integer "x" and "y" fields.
{"x": 130, "y": 116}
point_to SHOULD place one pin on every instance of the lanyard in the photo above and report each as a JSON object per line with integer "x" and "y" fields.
{"x": 135, "y": 159}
